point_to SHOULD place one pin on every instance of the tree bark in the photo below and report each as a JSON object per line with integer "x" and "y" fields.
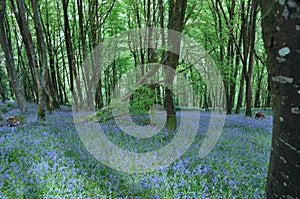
{"x": 281, "y": 35}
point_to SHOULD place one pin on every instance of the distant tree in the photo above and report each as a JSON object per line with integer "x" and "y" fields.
{"x": 281, "y": 33}
{"x": 10, "y": 65}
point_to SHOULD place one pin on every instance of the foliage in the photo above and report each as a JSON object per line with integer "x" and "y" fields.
{"x": 102, "y": 115}
{"x": 9, "y": 104}
{"x": 142, "y": 99}
{"x": 206, "y": 25}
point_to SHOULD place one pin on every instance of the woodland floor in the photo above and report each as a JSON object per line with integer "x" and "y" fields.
{"x": 48, "y": 160}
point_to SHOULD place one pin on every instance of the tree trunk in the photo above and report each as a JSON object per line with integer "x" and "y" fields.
{"x": 257, "y": 102}
{"x": 176, "y": 22}
{"x": 31, "y": 54}
{"x": 240, "y": 95}
{"x": 10, "y": 65}
{"x": 45, "y": 77}
{"x": 281, "y": 35}
{"x": 269, "y": 96}
{"x": 69, "y": 46}
{"x": 51, "y": 81}
{"x": 248, "y": 111}
{"x": 249, "y": 41}
{"x": 98, "y": 96}
{"x": 2, "y": 89}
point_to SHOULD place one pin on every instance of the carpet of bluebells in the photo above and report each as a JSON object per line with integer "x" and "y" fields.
{"x": 47, "y": 160}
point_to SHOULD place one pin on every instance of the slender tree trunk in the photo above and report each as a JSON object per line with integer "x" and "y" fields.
{"x": 269, "y": 96}
{"x": 47, "y": 85}
{"x": 141, "y": 41}
{"x": 99, "y": 96}
{"x": 257, "y": 102}
{"x": 240, "y": 95}
{"x": 61, "y": 75}
{"x": 2, "y": 89}
{"x": 10, "y": 65}
{"x": 282, "y": 42}
{"x": 248, "y": 96}
{"x": 30, "y": 74}
{"x": 31, "y": 54}
{"x": 69, "y": 45}
{"x": 51, "y": 82}
{"x": 248, "y": 30}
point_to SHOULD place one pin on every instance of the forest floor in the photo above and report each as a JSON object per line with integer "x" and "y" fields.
{"x": 48, "y": 160}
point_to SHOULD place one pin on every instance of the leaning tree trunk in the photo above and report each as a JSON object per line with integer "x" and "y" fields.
{"x": 10, "y": 65}
{"x": 281, "y": 33}
{"x": 31, "y": 53}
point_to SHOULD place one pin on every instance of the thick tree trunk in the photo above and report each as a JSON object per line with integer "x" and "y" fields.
{"x": 281, "y": 35}
{"x": 176, "y": 22}
{"x": 10, "y": 65}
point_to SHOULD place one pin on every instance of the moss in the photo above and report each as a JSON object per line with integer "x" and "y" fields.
{"x": 171, "y": 122}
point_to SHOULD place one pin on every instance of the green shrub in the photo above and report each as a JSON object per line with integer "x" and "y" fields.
{"x": 9, "y": 104}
